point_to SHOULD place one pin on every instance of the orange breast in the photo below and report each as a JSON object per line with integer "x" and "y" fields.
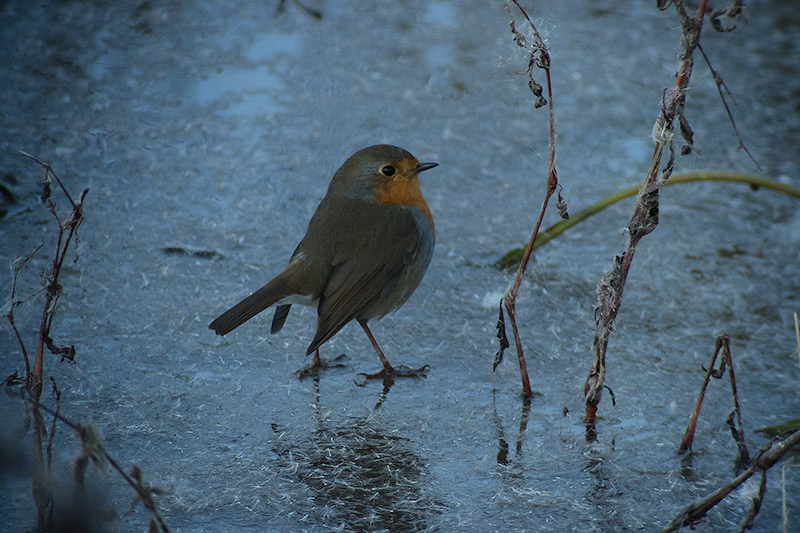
{"x": 403, "y": 192}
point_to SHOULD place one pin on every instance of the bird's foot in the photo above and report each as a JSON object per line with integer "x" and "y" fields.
{"x": 320, "y": 365}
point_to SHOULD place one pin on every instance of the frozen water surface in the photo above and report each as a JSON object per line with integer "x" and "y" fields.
{"x": 215, "y": 127}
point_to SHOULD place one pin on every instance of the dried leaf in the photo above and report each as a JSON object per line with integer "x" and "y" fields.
{"x": 561, "y": 204}
{"x": 92, "y": 444}
{"x": 717, "y": 24}
{"x": 536, "y": 89}
{"x": 501, "y": 335}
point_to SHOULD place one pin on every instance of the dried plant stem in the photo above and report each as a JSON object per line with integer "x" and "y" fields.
{"x": 510, "y": 299}
{"x": 31, "y": 393}
{"x": 723, "y": 345}
{"x": 18, "y": 265}
{"x": 645, "y": 215}
{"x": 143, "y": 492}
{"x": 797, "y": 336}
{"x": 41, "y": 487}
{"x": 539, "y": 57}
{"x": 66, "y": 231}
{"x": 766, "y": 458}
{"x": 720, "y": 83}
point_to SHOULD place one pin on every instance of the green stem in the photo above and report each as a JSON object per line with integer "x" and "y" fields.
{"x": 513, "y": 257}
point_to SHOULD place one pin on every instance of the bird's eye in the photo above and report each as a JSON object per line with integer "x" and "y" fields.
{"x": 388, "y": 170}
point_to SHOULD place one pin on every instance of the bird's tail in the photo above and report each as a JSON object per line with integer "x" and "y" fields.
{"x": 251, "y": 306}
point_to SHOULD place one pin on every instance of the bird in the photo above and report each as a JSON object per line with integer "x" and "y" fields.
{"x": 365, "y": 251}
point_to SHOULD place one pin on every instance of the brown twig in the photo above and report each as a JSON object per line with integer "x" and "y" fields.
{"x": 688, "y": 436}
{"x": 766, "y": 458}
{"x": 18, "y": 264}
{"x": 797, "y": 336}
{"x": 49, "y": 172}
{"x": 66, "y": 231}
{"x": 737, "y": 429}
{"x": 645, "y": 216}
{"x": 723, "y": 345}
{"x": 539, "y": 57}
{"x": 94, "y": 450}
{"x": 720, "y": 83}
{"x": 41, "y": 487}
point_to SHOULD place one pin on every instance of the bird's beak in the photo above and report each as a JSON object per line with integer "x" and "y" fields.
{"x": 425, "y": 166}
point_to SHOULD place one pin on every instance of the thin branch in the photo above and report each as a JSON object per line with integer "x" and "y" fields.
{"x": 66, "y": 230}
{"x": 738, "y": 432}
{"x": 766, "y": 458}
{"x": 49, "y": 172}
{"x": 720, "y": 83}
{"x": 797, "y": 336}
{"x": 645, "y": 216}
{"x": 688, "y": 436}
{"x": 18, "y": 264}
{"x": 539, "y": 57}
{"x": 41, "y": 486}
{"x": 143, "y": 491}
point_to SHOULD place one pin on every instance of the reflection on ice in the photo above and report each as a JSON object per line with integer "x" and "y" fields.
{"x": 251, "y": 89}
{"x": 355, "y": 475}
{"x": 240, "y": 90}
{"x": 273, "y": 44}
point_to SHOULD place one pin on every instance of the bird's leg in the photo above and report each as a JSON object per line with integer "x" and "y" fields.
{"x": 388, "y": 370}
{"x": 386, "y": 366}
{"x": 316, "y": 362}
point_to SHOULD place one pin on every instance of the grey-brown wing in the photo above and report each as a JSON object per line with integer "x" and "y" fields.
{"x": 360, "y": 275}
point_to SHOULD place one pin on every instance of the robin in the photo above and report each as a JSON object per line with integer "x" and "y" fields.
{"x": 364, "y": 253}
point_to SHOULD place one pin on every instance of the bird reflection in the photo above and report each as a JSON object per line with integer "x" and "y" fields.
{"x": 361, "y": 475}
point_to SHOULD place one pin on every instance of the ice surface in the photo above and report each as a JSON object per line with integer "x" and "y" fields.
{"x": 215, "y": 127}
